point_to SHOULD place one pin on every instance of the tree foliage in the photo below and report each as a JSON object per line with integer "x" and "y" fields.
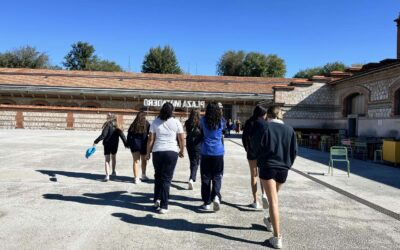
{"x": 82, "y": 57}
{"x": 323, "y": 70}
{"x": 24, "y": 57}
{"x": 230, "y": 63}
{"x": 255, "y": 64}
{"x": 161, "y": 60}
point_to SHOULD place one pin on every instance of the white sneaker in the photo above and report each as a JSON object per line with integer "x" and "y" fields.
{"x": 163, "y": 211}
{"x": 255, "y": 205}
{"x": 276, "y": 242}
{"x": 157, "y": 204}
{"x": 265, "y": 202}
{"x": 205, "y": 207}
{"x": 216, "y": 204}
{"x": 144, "y": 177}
{"x": 190, "y": 184}
{"x": 136, "y": 180}
{"x": 106, "y": 178}
{"x": 268, "y": 224}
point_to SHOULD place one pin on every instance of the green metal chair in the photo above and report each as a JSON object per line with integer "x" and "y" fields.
{"x": 338, "y": 153}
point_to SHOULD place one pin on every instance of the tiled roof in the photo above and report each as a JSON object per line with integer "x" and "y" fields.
{"x": 135, "y": 81}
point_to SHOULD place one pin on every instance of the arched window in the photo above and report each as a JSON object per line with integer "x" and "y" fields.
{"x": 90, "y": 105}
{"x": 7, "y": 102}
{"x": 40, "y": 103}
{"x": 354, "y": 104}
{"x": 397, "y": 102}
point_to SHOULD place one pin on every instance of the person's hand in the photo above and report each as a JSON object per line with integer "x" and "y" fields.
{"x": 148, "y": 157}
{"x": 181, "y": 154}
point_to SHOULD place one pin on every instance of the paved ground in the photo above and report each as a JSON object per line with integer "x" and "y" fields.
{"x": 52, "y": 198}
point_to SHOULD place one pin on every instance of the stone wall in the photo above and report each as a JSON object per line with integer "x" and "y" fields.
{"x": 321, "y": 105}
{"x": 31, "y": 117}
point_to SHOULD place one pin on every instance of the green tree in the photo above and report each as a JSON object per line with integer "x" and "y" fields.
{"x": 24, "y": 57}
{"x": 104, "y": 65}
{"x": 230, "y": 63}
{"x": 161, "y": 60}
{"x": 80, "y": 57}
{"x": 334, "y": 66}
{"x": 323, "y": 70}
{"x": 256, "y": 64}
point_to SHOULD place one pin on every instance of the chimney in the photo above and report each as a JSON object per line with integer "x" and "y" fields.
{"x": 398, "y": 36}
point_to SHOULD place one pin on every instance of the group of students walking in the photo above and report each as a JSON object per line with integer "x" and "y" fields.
{"x": 270, "y": 145}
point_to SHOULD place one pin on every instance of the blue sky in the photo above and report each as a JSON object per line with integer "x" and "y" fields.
{"x": 305, "y": 33}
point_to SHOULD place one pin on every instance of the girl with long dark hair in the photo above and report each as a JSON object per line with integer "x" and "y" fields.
{"x": 259, "y": 113}
{"x": 164, "y": 132}
{"x": 193, "y": 143}
{"x": 137, "y": 140}
{"x": 110, "y": 135}
{"x": 212, "y": 156}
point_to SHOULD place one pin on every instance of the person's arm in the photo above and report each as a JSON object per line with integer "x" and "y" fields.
{"x": 123, "y": 138}
{"x": 181, "y": 138}
{"x": 103, "y": 135}
{"x": 245, "y": 137}
{"x": 150, "y": 143}
{"x": 293, "y": 148}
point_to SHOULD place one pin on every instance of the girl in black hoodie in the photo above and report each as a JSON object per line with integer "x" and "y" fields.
{"x": 110, "y": 137}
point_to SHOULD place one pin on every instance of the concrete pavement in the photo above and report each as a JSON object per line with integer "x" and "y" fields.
{"x": 53, "y": 198}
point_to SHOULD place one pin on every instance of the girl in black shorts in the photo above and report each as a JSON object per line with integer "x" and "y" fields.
{"x": 276, "y": 149}
{"x": 258, "y": 113}
{"x": 138, "y": 134}
{"x": 110, "y": 136}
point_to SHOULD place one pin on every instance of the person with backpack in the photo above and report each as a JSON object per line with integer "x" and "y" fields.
{"x": 110, "y": 136}
{"x": 137, "y": 140}
{"x": 212, "y": 156}
{"x": 275, "y": 147}
{"x": 166, "y": 142}
{"x": 193, "y": 143}
{"x": 259, "y": 113}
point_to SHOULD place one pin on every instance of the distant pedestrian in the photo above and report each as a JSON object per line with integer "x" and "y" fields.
{"x": 138, "y": 134}
{"x": 276, "y": 149}
{"x": 259, "y": 113}
{"x": 167, "y": 142}
{"x": 110, "y": 135}
{"x": 238, "y": 123}
{"x": 229, "y": 126}
{"x": 193, "y": 144}
{"x": 212, "y": 156}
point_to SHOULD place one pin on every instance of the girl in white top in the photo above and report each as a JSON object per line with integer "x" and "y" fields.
{"x": 165, "y": 132}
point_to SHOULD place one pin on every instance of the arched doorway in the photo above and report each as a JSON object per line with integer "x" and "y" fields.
{"x": 354, "y": 106}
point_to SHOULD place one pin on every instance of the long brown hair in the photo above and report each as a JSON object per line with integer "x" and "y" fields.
{"x": 194, "y": 119}
{"x": 139, "y": 125}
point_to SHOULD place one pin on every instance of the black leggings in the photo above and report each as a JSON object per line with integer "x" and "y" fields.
{"x": 194, "y": 158}
{"x": 212, "y": 170}
{"x": 164, "y": 165}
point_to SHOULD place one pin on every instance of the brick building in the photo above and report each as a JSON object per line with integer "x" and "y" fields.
{"x": 79, "y": 99}
{"x": 364, "y": 101}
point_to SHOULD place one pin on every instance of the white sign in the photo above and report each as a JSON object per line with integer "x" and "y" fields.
{"x": 175, "y": 103}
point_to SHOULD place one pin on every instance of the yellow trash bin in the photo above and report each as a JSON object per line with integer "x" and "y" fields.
{"x": 391, "y": 151}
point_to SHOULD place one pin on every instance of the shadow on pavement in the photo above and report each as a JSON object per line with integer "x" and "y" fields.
{"x": 122, "y": 199}
{"x": 184, "y": 225}
{"x": 376, "y": 172}
{"x": 96, "y": 177}
{"x": 99, "y": 177}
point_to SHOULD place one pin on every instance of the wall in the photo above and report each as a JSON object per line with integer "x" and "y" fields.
{"x": 34, "y": 117}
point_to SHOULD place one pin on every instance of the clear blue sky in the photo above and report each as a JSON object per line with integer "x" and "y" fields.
{"x": 304, "y": 33}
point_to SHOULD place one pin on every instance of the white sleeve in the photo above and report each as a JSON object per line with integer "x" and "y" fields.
{"x": 179, "y": 127}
